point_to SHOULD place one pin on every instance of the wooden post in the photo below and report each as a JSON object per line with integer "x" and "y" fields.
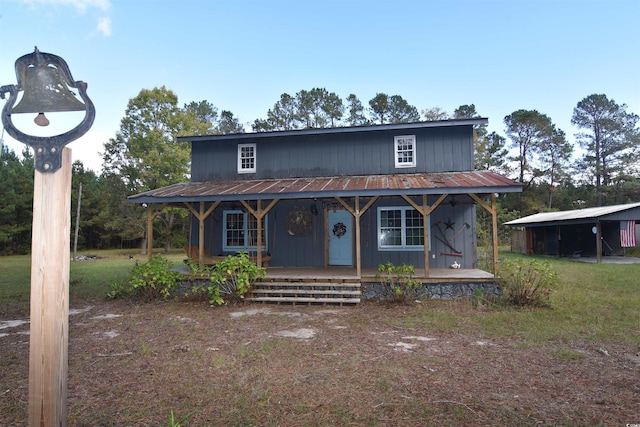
{"x": 425, "y": 233}
{"x": 598, "y": 242}
{"x": 358, "y": 250}
{"x": 493, "y": 210}
{"x": 49, "y": 332}
{"x": 201, "y": 215}
{"x": 151, "y": 215}
{"x": 494, "y": 225}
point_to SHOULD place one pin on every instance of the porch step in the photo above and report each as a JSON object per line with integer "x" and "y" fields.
{"x": 307, "y": 292}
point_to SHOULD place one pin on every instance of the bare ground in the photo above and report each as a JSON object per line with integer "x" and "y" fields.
{"x": 260, "y": 365}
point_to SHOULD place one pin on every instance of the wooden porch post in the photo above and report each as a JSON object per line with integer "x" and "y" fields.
{"x": 425, "y": 227}
{"x": 150, "y": 217}
{"x": 357, "y": 213}
{"x": 425, "y": 211}
{"x": 494, "y": 224}
{"x": 201, "y": 234}
{"x": 259, "y": 230}
{"x": 358, "y": 249}
{"x": 493, "y": 209}
{"x": 201, "y": 215}
{"x": 259, "y": 214}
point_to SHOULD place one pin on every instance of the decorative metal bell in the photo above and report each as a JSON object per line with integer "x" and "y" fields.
{"x": 46, "y": 83}
{"x": 45, "y": 91}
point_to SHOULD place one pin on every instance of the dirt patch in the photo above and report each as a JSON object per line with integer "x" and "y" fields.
{"x": 314, "y": 366}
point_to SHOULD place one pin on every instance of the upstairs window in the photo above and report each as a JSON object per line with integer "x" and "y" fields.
{"x": 246, "y": 158}
{"x": 405, "y": 151}
{"x": 240, "y": 231}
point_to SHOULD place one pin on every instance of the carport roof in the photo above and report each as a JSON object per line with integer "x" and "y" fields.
{"x": 480, "y": 182}
{"x": 577, "y": 215}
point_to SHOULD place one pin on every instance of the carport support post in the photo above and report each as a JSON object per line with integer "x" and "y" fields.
{"x": 599, "y": 242}
{"x": 49, "y": 330}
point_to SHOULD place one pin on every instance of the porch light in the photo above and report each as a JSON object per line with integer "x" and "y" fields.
{"x": 45, "y": 82}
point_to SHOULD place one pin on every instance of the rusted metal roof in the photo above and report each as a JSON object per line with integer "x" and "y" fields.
{"x": 336, "y": 186}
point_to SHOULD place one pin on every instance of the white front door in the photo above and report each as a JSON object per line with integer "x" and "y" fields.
{"x": 340, "y": 237}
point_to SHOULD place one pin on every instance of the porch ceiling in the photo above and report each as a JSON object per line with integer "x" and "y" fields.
{"x": 480, "y": 182}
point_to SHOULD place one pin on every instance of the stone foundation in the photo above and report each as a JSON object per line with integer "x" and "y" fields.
{"x": 444, "y": 290}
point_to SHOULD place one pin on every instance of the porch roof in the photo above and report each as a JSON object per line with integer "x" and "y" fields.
{"x": 479, "y": 182}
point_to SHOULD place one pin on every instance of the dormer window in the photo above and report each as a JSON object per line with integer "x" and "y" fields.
{"x": 246, "y": 158}
{"x": 405, "y": 151}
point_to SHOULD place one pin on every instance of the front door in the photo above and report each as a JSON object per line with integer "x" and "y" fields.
{"x": 340, "y": 237}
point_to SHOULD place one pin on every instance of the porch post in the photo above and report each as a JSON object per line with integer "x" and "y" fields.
{"x": 150, "y": 217}
{"x": 259, "y": 227}
{"x": 358, "y": 260}
{"x": 425, "y": 227}
{"x": 259, "y": 214}
{"x": 357, "y": 213}
{"x": 201, "y": 214}
{"x": 201, "y": 234}
{"x": 493, "y": 209}
{"x": 494, "y": 225}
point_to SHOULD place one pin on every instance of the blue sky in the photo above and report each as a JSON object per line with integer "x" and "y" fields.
{"x": 241, "y": 55}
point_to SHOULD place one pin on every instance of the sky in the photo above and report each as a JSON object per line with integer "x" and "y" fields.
{"x": 241, "y": 55}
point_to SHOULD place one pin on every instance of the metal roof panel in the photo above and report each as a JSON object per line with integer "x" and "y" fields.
{"x": 369, "y": 185}
{"x": 571, "y": 215}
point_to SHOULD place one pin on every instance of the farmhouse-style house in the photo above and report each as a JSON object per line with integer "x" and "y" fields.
{"x": 339, "y": 197}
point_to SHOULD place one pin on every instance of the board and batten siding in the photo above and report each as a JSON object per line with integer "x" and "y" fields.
{"x": 309, "y": 250}
{"x": 438, "y": 149}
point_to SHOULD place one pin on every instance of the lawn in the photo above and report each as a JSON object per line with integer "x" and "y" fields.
{"x": 428, "y": 363}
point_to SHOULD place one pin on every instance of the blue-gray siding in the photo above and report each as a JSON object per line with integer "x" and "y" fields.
{"x": 438, "y": 149}
{"x": 288, "y": 250}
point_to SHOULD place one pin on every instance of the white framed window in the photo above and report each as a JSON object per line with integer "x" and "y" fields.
{"x": 404, "y": 148}
{"x": 400, "y": 228}
{"x": 246, "y": 158}
{"x": 240, "y": 231}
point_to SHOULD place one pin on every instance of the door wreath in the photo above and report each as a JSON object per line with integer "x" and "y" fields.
{"x": 339, "y": 229}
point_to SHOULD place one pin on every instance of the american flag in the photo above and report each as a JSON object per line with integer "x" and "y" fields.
{"x": 627, "y": 234}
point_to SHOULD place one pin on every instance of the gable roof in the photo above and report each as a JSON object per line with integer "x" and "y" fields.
{"x": 588, "y": 215}
{"x": 481, "y": 182}
{"x": 334, "y": 130}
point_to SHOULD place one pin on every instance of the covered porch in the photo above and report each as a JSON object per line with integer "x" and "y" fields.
{"x": 439, "y": 199}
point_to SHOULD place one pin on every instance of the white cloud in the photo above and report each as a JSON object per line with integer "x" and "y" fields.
{"x": 104, "y": 26}
{"x": 82, "y": 6}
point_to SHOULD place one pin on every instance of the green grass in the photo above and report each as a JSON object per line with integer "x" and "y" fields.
{"x": 88, "y": 280}
{"x": 593, "y": 302}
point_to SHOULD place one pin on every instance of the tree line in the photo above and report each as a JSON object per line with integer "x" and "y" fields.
{"x": 144, "y": 154}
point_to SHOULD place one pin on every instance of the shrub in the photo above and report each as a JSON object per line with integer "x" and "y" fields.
{"x": 152, "y": 280}
{"x": 230, "y": 279}
{"x": 527, "y": 283}
{"x": 397, "y": 282}
{"x": 233, "y": 277}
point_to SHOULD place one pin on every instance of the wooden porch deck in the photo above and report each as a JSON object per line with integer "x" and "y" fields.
{"x": 339, "y": 285}
{"x": 369, "y": 274}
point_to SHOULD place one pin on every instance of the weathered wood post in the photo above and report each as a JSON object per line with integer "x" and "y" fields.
{"x": 49, "y": 332}
{"x": 45, "y": 81}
